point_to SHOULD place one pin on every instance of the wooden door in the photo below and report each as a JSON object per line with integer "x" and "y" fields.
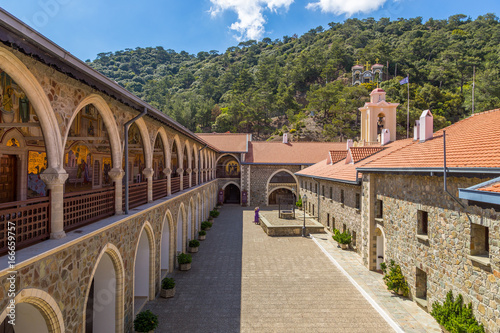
{"x": 8, "y": 177}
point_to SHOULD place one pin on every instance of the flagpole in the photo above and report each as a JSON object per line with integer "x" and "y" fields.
{"x": 408, "y": 114}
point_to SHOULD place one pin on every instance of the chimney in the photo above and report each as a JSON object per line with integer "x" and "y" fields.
{"x": 350, "y": 143}
{"x": 426, "y": 126}
{"x": 416, "y": 130}
{"x": 385, "y": 137}
{"x": 285, "y": 137}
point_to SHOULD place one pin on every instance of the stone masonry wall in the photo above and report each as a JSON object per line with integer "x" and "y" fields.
{"x": 66, "y": 272}
{"x": 332, "y": 207}
{"x": 445, "y": 256}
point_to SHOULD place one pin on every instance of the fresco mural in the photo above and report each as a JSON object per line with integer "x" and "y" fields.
{"x": 158, "y": 159}
{"x": 232, "y": 168}
{"x": 37, "y": 163}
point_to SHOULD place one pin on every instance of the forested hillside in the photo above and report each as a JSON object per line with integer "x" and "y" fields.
{"x": 248, "y": 87}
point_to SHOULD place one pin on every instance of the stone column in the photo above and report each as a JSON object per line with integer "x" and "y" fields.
{"x": 116, "y": 174}
{"x": 180, "y": 172}
{"x": 196, "y": 182}
{"x": 168, "y": 173}
{"x": 190, "y": 179}
{"x": 55, "y": 179}
{"x": 148, "y": 173}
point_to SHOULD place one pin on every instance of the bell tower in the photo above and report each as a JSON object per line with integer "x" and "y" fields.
{"x": 377, "y": 116}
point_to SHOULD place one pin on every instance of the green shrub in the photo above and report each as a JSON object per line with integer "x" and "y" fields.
{"x": 214, "y": 213}
{"x": 202, "y": 233}
{"x": 299, "y": 203}
{"x": 394, "y": 278}
{"x": 167, "y": 283}
{"x": 194, "y": 243}
{"x": 293, "y": 130}
{"x": 145, "y": 321}
{"x": 454, "y": 316}
{"x": 341, "y": 237}
{"x": 280, "y": 133}
{"x": 184, "y": 258}
{"x": 205, "y": 225}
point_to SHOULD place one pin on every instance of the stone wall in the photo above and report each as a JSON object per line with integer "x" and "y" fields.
{"x": 255, "y": 178}
{"x": 331, "y": 207}
{"x": 66, "y": 271}
{"x": 444, "y": 254}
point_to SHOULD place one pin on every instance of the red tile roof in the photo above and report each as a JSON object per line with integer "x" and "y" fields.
{"x": 491, "y": 188}
{"x": 290, "y": 153}
{"x": 337, "y": 155}
{"x": 343, "y": 171}
{"x": 470, "y": 143}
{"x": 360, "y": 153}
{"x": 227, "y": 142}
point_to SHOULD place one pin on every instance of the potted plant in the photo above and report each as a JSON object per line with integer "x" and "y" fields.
{"x": 343, "y": 238}
{"x": 299, "y": 203}
{"x": 167, "y": 287}
{"x": 193, "y": 246}
{"x": 145, "y": 321}
{"x": 454, "y": 316}
{"x": 214, "y": 213}
{"x": 184, "y": 260}
{"x": 202, "y": 235}
{"x": 206, "y": 225}
{"x": 394, "y": 279}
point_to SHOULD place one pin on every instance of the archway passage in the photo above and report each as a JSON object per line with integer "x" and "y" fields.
{"x": 232, "y": 194}
{"x": 281, "y": 194}
{"x": 28, "y": 320}
{"x": 101, "y": 303}
{"x": 141, "y": 278}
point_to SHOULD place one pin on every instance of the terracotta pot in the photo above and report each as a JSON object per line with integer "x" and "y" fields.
{"x": 193, "y": 249}
{"x": 344, "y": 246}
{"x": 146, "y": 332}
{"x": 201, "y": 238}
{"x": 210, "y": 219}
{"x": 185, "y": 267}
{"x": 167, "y": 293}
{"x": 208, "y": 228}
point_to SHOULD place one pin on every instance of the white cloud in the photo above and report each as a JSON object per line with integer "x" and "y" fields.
{"x": 347, "y": 7}
{"x": 250, "y": 24}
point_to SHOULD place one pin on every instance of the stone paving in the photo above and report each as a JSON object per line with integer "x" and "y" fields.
{"x": 273, "y": 217}
{"x": 244, "y": 281}
{"x": 407, "y": 314}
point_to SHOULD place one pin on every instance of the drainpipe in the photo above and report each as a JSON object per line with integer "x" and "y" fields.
{"x": 126, "y": 127}
{"x": 317, "y": 181}
{"x": 199, "y": 163}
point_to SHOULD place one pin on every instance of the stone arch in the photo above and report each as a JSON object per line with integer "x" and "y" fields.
{"x": 380, "y": 246}
{"x": 146, "y": 142}
{"x": 231, "y": 182}
{"x": 198, "y": 212}
{"x": 180, "y": 230}
{"x": 166, "y": 146}
{"x": 227, "y": 154}
{"x": 109, "y": 122}
{"x": 114, "y": 254}
{"x": 281, "y": 187}
{"x": 45, "y": 304}
{"x": 281, "y": 170}
{"x": 191, "y": 228}
{"x": 41, "y": 104}
{"x": 167, "y": 252}
{"x": 148, "y": 273}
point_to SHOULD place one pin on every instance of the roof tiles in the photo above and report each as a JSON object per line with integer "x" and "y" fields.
{"x": 290, "y": 153}
{"x": 227, "y": 142}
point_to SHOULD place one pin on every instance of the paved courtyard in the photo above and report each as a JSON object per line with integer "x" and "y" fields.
{"x": 244, "y": 281}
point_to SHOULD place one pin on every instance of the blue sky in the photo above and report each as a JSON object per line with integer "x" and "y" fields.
{"x": 88, "y": 27}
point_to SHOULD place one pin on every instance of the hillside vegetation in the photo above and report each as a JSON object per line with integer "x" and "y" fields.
{"x": 249, "y": 86}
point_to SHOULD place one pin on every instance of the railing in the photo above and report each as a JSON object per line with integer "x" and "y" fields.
{"x": 185, "y": 182}
{"x": 31, "y": 219}
{"x": 81, "y": 208}
{"x": 137, "y": 194}
{"x": 193, "y": 178}
{"x": 159, "y": 189}
{"x": 224, "y": 174}
{"x": 175, "y": 184}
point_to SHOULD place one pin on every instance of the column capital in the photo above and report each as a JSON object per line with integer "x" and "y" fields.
{"x": 195, "y": 170}
{"x": 116, "y": 174}
{"x": 167, "y": 171}
{"x": 53, "y": 177}
{"x": 189, "y": 170}
{"x": 148, "y": 172}
{"x": 180, "y": 171}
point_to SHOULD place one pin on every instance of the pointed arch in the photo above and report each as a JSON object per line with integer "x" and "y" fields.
{"x": 109, "y": 121}
{"x": 282, "y": 170}
{"x": 119, "y": 269}
{"x": 167, "y": 250}
{"x": 13, "y": 133}
{"x": 45, "y": 304}
{"x": 41, "y": 104}
{"x": 146, "y": 142}
{"x": 180, "y": 230}
{"x": 166, "y": 144}
{"x": 147, "y": 272}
